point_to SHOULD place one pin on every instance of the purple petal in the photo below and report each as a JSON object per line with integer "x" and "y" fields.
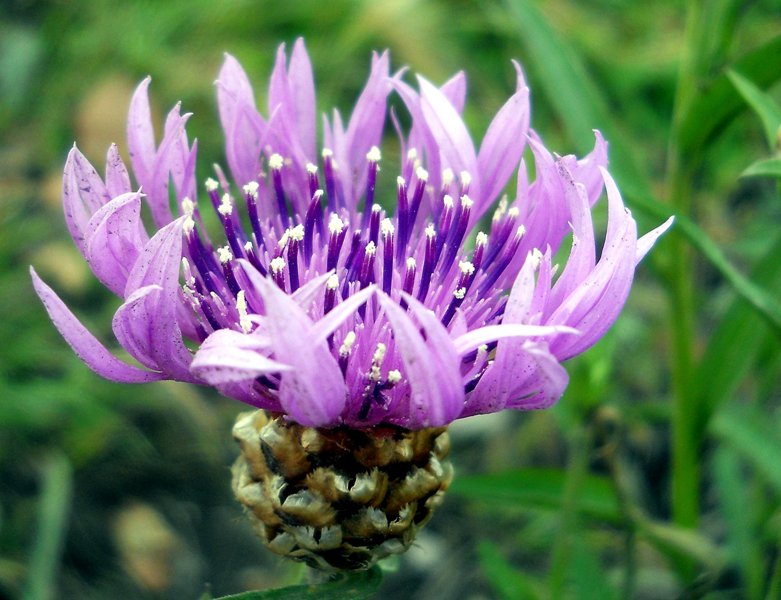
{"x": 546, "y": 387}
{"x": 454, "y": 89}
{"x": 302, "y": 88}
{"x": 432, "y": 369}
{"x": 313, "y": 392}
{"x": 503, "y": 144}
{"x": 150, "y": 321}
{"x": 452, "y": 138}
{"x": 229, "y": 356}
{"x": 83, "y": 193}
{"x": 340, "y": 313}
{"x": 490, "y": 333}
{"x": 645, "y": 243}
{"x": 117, "y": 178}
{"x": 116, "y": 238}
{"x": 84, "y": 344}
{"x": 141, "y": 133}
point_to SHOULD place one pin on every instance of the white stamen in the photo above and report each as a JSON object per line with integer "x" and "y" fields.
{"x": 189, "y": 278}
{"x": 411, "y": 264}
{"x": 211, "y": 185}
{"x": 297, "y": 233}
{"x": 188, "y": 207}
{"x": 373, "y": 155}
{"x": 466, "y": 201}
{"x": 466, "y": 178}
{"x": 251, "y": 189}
{"x": 332, "y": 283}
{"x": 481, "y": 239}
{"x": 347, "y": 344}
{"x": 276, "y": 161}
{"x": 430, "y": 231}
{"x": 283, "y": 240}
{"x": 311, "y": 168}
{"x": 335, "y": 224}
{"x": 371, "y": 249}
{"x": 376, "y": 208}
{"x": 400, "y": 182}
{"x": 447, "y": 176}
{"x": 412, "y": 154}
{"x": 188, "y": 225}
{"x": 241, "y": 307}
{"x": 421, "y": 174}
{"x": 501, "y": 208}
{"x": 248, "y": 246}
{"x": 482, "y": 351}
{"x": 394, "y": 376}
{"x": 554, "y": 270}
{"x": 379, "y": 353}
{"x": 225, "y": 255}
{"x": 226, "y": 205}
{"x": 317, "y": 195}
{"x": 513, "y": 213}
{"x": 520, "y": 232}
{"x": 386, "y": 227}
{"x": 448, "y": 201}
{"x": 467, "y": 268}
{"x": 460, "y": 293}
{"x": 277, "y": 264}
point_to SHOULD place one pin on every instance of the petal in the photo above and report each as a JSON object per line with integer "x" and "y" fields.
{"x": 491, "y": 333}
{"x": 645, "y": 243}
{"x": 83, "y": 193}
{"x": 141, "y": 133}
{"x": 503, "y": 145}
{"x": 84, "y": 344}
{"x": 431, "y": 365}
{"x": 340, "y": 313}
{"x": 546, "y": 387}
{"x": 450, "y": 133}
{"x": 117, "y": 179}
{"x": 229, "y": 356}
{"x": 302, "y": 88}
{"x": 313, "y": 392}
{"x": 150, "y": 320}
{"x": 116, "y": 238}
{"x": 454, "y": 89}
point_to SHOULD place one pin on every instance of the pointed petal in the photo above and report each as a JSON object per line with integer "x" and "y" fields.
{"x": 431, "y": 366}
{"x": 83, "y": 193}
{"x": 645, "y": 243}
{"x": 141, "y": 133}
{"x": 229, "y": 356}
{"x": 150, "y": 319}
{"x": 84, "y": 344}
{"x": 546, "y": 387}
{"x": 313, "y": 392}
{"x": 452, "y": 138}
{"x": 340, "y": 313}
{"x": 302, "y": 88}
{"x": 454, "y": 89}
{"x": 491, "y": 333}
{"x": 116, "y": 238}
{"x": 117, "y": 178}
{"x": 503, "y": 145}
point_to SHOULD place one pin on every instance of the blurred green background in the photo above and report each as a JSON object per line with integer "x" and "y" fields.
{"x": 659, "y": 473}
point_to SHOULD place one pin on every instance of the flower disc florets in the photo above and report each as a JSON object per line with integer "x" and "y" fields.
{"x": 319, "y": 301}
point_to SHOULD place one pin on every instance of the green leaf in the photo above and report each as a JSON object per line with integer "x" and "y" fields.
{"x": 359, "y": 585}
{"x": 739, "y": 513}
{"x": 763, "y": 302}
{"x": 769, "y": 167}
{"x": 762, "y": 104}
{"x": 539, "y": 488}
{"x": 572, "y": 93}
{"x": 55, "y": 501}
{"x": 507, "y": 582}
{"x": 734, "y": 345}
{"x": 755, "y": 437}
{"x": 589, "y": 581}
{"x": 682, "y": 544}
{"x": 719, "y": 102}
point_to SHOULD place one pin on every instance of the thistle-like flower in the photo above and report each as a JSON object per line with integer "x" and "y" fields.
{"x": 343, "y": 314}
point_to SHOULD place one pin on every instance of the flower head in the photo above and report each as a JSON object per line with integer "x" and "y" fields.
{"x": 323, "y": 301}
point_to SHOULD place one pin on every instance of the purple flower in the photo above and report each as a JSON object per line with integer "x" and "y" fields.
{"x": 319, "y": 300}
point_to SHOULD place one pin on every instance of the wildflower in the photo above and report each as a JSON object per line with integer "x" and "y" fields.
{"x": 350, "y": 323}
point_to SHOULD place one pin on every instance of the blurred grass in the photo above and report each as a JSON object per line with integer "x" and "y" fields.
{"x": 156, "y": 457}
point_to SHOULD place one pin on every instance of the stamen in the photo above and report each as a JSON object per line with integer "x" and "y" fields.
{"x": 314, "y": 218}
{"x": 402, "y": 215}
{"x": 277, "y": 271}
{"x": 466, "y": 180}
{"x": 367, "y": 267}
{"x": 457, "y": 231}
{"x": 374, "y": 223}
{"x": 314, "y": 182}
{"x": 337, "y": 230}
{"x": 251, "y": 197}
{"x": 417, "y": 196}
{"x": 330, "y": 294}
{"x": 394, "y": 376}
{"x": 409, "y": 275}
{"x": 429, "y": 261}
{"x": 241, "y": 307}
{"x": 275, "y": 163}
{"x": 330, "y": 179}
{"x": 345, "y": 350}
{"x": 387, "y": 244}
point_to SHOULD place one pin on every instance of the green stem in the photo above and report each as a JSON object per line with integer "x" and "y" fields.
{"x": 580, "y": 448}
